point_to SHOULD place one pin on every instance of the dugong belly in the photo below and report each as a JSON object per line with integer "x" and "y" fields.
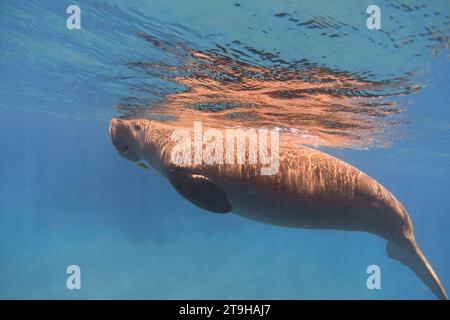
{"x": 311, "y": 190}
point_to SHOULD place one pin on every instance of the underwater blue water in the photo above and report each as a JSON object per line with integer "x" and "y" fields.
{"x": 67, "y": 197}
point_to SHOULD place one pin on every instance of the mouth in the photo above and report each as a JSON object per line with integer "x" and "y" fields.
{"x": 122, "y": 148}
{"x": 125, "y": 151}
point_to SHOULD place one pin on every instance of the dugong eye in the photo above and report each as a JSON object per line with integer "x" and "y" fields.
{"x": 137, "y": 127}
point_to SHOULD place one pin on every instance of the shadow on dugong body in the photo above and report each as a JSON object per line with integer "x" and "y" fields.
{"x": 311, "y": 189}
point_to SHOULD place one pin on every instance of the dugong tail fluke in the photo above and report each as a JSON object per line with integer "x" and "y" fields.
{"x": 409, "y": 254}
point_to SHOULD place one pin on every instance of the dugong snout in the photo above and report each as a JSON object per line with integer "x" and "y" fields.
{"x": 123, "y": 137}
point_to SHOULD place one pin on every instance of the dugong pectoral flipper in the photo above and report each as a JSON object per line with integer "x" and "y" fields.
{"x": 409, "y": 254}
{"x": 199, "y": 190}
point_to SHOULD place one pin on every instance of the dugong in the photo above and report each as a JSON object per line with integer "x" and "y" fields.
{"x": 311, "y": 189}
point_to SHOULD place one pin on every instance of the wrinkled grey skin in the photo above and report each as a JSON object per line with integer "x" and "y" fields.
{"x": 311, "y": 190}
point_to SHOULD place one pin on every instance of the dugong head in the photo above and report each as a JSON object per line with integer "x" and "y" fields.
{"x": 125, "y": 136}
{"x": 140, "y": 139}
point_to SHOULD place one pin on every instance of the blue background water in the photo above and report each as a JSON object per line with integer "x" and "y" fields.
{"x": 66, "y": 197}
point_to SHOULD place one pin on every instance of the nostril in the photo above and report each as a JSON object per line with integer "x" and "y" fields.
{"x": 137, "y": 127}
